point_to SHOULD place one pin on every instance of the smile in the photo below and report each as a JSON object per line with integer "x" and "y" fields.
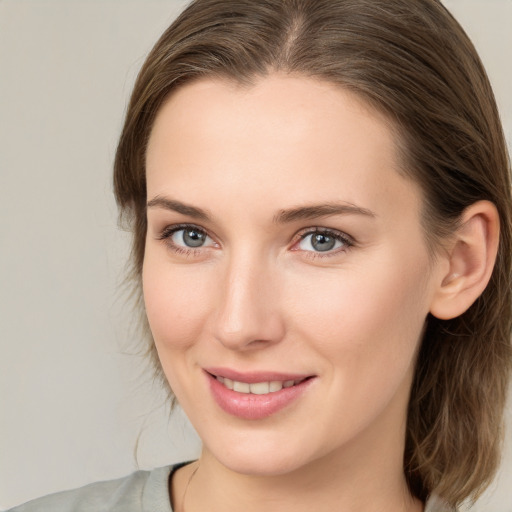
{"x": 255, "y": 396}
{"x": 257, "y": 388}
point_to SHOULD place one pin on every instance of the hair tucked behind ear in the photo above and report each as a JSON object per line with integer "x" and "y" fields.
{"x": 411, "y": 60}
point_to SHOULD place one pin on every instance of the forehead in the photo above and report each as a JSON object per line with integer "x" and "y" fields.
{"x": 284, "y": 133}
{"x": 263, "y": 107}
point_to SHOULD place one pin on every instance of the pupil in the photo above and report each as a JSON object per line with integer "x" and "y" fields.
{"x": 193, "y": 238}
{"x": 322, "y": 242}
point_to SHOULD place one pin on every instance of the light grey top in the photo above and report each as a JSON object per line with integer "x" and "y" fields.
{"x": 142, "y": 491}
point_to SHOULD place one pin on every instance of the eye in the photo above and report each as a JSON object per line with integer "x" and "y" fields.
{"x": 323, "y": 241}
{"x": 190, "y": 237}
{"x": 186, "y": 237}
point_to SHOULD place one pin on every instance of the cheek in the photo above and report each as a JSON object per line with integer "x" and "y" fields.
{"x": 176, "y": 301}
{"x": 365, "y": 319}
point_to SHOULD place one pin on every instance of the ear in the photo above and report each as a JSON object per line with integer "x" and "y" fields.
{"x": 471, "y": 256}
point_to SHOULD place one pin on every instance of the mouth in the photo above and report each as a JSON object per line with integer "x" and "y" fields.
{"x": 255, "y": 396}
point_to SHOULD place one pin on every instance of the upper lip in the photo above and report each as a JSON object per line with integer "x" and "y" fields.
{"x": 255, "y": 376}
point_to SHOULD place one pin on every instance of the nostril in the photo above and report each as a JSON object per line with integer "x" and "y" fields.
{"x": 257, "y": 343}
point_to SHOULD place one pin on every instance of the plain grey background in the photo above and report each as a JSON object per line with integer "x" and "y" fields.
{"x": 73, "y": 402}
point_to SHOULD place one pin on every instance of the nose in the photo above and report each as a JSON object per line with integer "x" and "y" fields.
{"x": 247, "y": 313}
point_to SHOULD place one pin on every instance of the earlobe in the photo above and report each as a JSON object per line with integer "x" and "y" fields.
{"x": 471, "y": 255}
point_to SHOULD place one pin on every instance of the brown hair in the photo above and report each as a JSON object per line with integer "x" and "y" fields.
{"x": 413, "y": 61}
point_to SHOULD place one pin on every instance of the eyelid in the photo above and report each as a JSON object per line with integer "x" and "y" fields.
{"x": 172, "y": 228}
{"x": 329, "y": 231}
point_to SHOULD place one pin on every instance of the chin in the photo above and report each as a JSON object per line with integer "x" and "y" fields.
{"x": 259, "y": 465}
{"x": 263, "y": 456}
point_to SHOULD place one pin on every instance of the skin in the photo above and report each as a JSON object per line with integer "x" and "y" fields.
{"x": 256, "y": 296}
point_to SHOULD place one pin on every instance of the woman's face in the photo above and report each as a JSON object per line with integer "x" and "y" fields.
{"x": 285, "y": 253}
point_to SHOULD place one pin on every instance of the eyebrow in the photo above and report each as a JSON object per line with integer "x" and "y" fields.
{"x": 179, "y": 207}
{"x": 320, "y": 210}
{"x": 282, "y": 217}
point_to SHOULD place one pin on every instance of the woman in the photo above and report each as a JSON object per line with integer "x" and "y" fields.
{"x": 320, "y": 198}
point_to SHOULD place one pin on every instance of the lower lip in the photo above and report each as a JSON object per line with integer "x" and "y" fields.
{"x": 255, "y": 407}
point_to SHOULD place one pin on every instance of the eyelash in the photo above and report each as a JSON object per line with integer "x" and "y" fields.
{"x": 346, "y": 240}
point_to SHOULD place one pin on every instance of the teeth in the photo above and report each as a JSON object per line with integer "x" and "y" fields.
{"x": 257, "y": 388}
{"x": 241, "y": 387}
{"x": 275, "y": 385}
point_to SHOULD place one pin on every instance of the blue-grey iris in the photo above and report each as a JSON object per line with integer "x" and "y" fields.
{"x": 193, "y": 238}
{"x": 322, "y": 242}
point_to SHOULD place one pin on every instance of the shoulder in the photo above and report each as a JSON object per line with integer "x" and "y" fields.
{"x": 142, "y": 491}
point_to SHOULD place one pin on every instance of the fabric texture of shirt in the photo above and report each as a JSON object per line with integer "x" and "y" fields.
{"x": 142, "y": 491}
